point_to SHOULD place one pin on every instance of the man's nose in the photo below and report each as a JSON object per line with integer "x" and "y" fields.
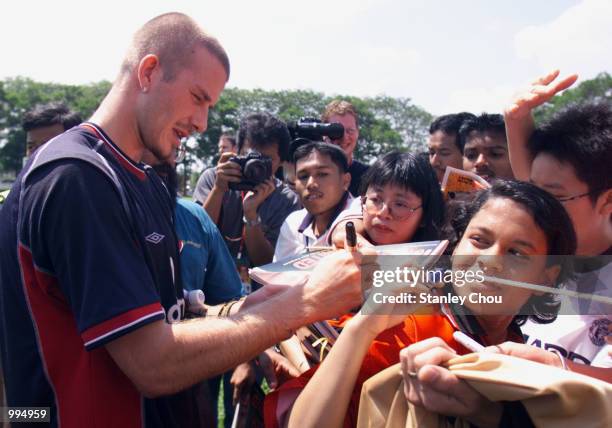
{"x": 199, "y": 120}
{"x": 481, "y": 159}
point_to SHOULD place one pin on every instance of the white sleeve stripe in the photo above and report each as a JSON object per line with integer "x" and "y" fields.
{"x": 123, "y": 327}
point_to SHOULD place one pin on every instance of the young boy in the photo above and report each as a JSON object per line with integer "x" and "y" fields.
{"x": 322, "y": 182}
{"x": 484, "y": 146}
{"x": 570, "y": 156}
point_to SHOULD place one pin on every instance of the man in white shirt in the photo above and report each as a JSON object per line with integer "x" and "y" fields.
{"x": 322, "y": 182}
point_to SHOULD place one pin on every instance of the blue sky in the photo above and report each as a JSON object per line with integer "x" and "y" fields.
{"x": 445, "y": 55}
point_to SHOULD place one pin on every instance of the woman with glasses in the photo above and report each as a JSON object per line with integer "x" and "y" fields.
{"x": 401, "y": 200}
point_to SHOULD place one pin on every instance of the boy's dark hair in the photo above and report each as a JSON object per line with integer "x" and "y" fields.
{"x": 450, "y": 124}
{"x": 492, "y": 123}
{"x": 581, "y": 135}
{"x": 548, "y": 214}
{"x": 335, "y": 153}
{"x": 263, "y": 130}
{"x": 54, "y": 113}
{"x": 412, "y": 172}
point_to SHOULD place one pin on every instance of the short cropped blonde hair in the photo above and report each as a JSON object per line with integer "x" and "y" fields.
{"x": 339, "y": 107}
{"x": 172, "y": 37}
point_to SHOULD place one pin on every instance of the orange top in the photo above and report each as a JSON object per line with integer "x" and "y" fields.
{"x": 383, "y": 352}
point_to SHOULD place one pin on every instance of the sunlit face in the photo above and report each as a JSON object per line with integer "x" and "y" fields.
{"x": 382, "y": 225}
{"x": 170, "y": 111}
{"x": 225, "y": 146}
{"x": 319, "y": 183}
{"x": 560, "y": 180}
{"x": 351, "y": 133}
{"x": 502, "y": 240}
{"x": 39, "y": 136}
{"x": 443, "y": 152}
{"x": 271, "y": 151}
{"x": 486, "y": 154}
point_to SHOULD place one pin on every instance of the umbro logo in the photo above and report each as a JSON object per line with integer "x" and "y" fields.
{"x": 155, "y": 238}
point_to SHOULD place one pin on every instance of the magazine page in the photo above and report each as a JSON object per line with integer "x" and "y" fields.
{"x": 457, "y": 182}
{"x": 296, "y": 270}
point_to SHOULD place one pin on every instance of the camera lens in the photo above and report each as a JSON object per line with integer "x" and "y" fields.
{"x": 255, "y": 170}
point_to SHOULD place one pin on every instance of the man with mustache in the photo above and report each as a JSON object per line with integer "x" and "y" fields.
{"x": 485, "y": 149}
{"x": 322, "y": 183}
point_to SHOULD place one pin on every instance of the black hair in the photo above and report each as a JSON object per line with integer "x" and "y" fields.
{"x": 414, "y": 173}
{"x": 335, "y": 153}
{"x": 492, "y": 123}
{"x": 263, "y": 130}
{"x": 450, "y": 124}
{"x": 548, "y": 214}
{"x": 54, "y": 113}
{"x": 581, "y": 135}
{"x": 229, "y": 136}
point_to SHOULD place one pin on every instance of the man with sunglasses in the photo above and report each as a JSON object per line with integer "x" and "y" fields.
{"x": 344, "y": 113}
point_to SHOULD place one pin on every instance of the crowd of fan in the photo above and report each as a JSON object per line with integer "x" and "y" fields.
{"x": 551, "y": 195}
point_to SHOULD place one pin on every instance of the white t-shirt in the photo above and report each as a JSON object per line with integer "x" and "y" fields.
{"x": 296, "y": 233}
{"x": 581, "y": 337}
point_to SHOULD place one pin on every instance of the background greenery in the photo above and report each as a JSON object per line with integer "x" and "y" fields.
{"x": 386, "y": 123}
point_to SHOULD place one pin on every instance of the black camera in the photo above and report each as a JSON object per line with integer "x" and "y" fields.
{"x": 314, "y": 130}
{"x": 255, "y": 168}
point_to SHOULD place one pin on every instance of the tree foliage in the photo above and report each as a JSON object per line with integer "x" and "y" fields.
{"x": 386, "y": 123}
{"x": 597, "y": 89}
{"x": 20, "y": 94}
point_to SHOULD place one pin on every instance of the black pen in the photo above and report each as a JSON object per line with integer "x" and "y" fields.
{"x": 351, "y": 236}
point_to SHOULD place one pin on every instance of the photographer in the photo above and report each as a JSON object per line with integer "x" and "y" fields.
{"x": 250, "y": 221}
{"x": 343, "y": 112}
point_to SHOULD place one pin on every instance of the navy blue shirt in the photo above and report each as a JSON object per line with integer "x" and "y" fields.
{"x": 88, "y": 253}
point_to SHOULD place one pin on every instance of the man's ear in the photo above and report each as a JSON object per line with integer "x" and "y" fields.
{"x": 147, "y": 68}
{"x": 604, "y": 203}
{"x": 603, "y": 207}
{"x": 346, "y": 180}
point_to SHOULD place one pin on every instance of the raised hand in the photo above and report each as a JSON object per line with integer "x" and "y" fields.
{"x": 540, "y": 91}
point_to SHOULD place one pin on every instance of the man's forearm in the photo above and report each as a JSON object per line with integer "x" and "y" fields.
{"x": 258, "y": 247}
{"x": 165, "y": 358}
{"x": 518, "y": 133}
{"x": 213, "y": 204}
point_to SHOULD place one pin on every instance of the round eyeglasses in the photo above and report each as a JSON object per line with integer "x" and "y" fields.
{"x": 397, "y": 210}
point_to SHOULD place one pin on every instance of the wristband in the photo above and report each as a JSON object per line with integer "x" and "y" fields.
{"x": 252, "y": 223}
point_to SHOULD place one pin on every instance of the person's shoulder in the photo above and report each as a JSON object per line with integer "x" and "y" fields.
{"x": 190, "y": 208}
{"x": 284, "y": 193}
{"x": 210, "y": 172}
{"x": 296, "y": 217}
